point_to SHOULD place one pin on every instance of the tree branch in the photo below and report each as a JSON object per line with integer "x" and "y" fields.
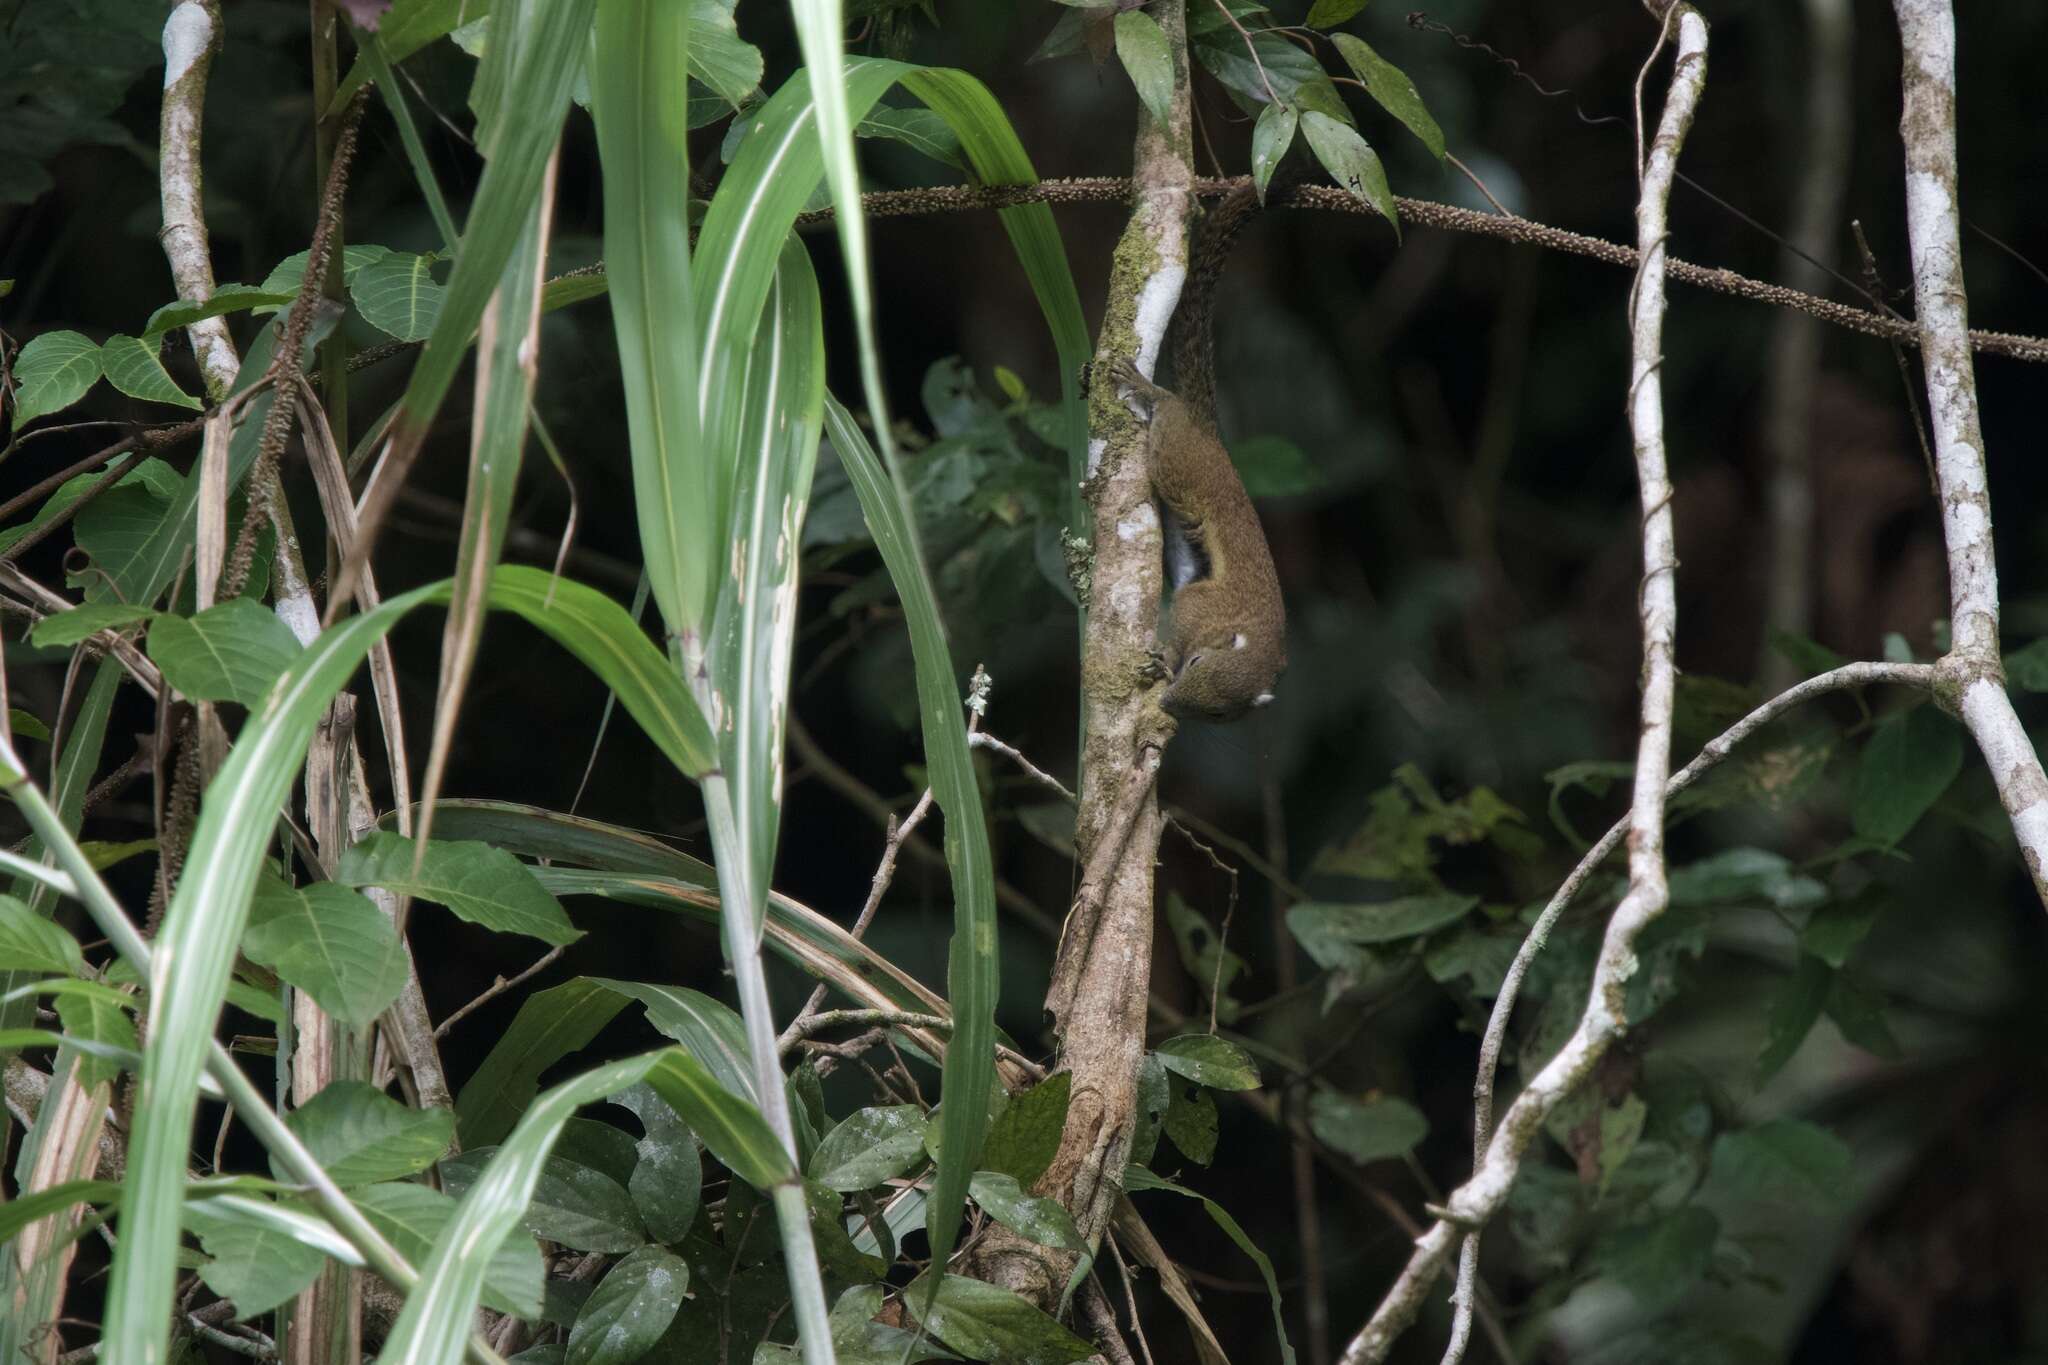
{"x": 1972, "y": 682}
{"x": 1603, "y": 1021}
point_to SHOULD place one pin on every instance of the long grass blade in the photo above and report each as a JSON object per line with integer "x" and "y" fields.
{"x": 638, "y": 71}
{"x": 973, "y": 972}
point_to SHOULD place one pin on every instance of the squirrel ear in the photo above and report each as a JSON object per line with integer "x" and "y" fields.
{"x": 1238, "y": 641}
{"x": 1263, "y": 699}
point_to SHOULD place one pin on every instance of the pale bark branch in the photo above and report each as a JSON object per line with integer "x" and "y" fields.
{"x": 1470, "y": 1206}
{"x": 1972, "y": 674}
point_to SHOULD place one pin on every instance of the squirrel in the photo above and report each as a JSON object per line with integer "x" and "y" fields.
{"x": 1229, "y": 625}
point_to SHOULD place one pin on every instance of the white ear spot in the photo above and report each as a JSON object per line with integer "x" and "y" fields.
{"x": 1263, "y": 699}
{"x": 1238, "y": 642}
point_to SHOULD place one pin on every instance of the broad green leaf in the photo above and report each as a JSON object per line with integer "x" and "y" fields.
{"x": 868, "y": 1147}
{"x": 98, "y": 1015}
{"x": 289, "y": 273}
{"x": 258, "y": 1266}
{"x": 1859, "y": 1013}
{"x": 1392, "y": 91}
{"x": 1784, "y": 1160}
{"x": 1908, "y": 764}
{"x": 329, "y": 942}
{"x": 1352, "y": 164}
{"x": 599, "y": 1145}
{"x": 118, "y": 531}
{"x": 1190, "y": 1122}
{"x": 133, "y": 366}
{"x": 1744, "y": 876}
{"x": 362, "y": 1136}
{"x": 1660, "y": 1259}
{"x": 1327, "y": 931}
{"x": 1272, "y": 135}
{"x": 1137, "y": 1178}
{"x": 31, "y": 943}
{"x": 226, "y": 298}
{"x": 233, "y": 652}
{"x": 972, "y": 972}
{"x": 983, "y": 1321}
{"x": 1366, "y": 1130}
{"x": 411, "y": 1216}
{"x": 860, "y": 1340}
{"x": 1793, "y": 1015}
{"x": 397, "y": 294}
{"x": 1281, "y": 73}
{"x": 435, "y": 1323}
{"x": 1208, "y": 1060}
{"x": 1834, "y": 930}
{"x": 1274, "y": 467}
{"x": 33, "y": 1206}
{"x": 730, "y": 1128}
{"x": 82, "y": 622}
{"x": 1141, "y": 46}
{"x": 550, "y": 1025}
{"x": 52, "y": 372}
{"x": 209, "y": 912}
{"x": 481, "y": 884}
{"x": 1044, "y": 1221}
{"x": 920, "y": 129}
{"x": 719, "y": 58}
{"x": 1330, "y": 13}
{"x": 667, "y": 1183}
{"x": 1024, "y": 1138}
{"x": 630, "y": 1308}
{"x": 571, "y": 1203}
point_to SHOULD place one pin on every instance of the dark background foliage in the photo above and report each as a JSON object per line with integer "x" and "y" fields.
{"x": 1459, "y": 557}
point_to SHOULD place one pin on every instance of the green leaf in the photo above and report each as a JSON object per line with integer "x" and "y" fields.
{"x": 667, "y": 1183}
{"x": 80, "y": 623}
{"x": 1044, "y": 1221}
{"x": 719, "y": 58}
{"x": 1327, "y": 930}
{"x": 1391, "y": 90}
{"x": 481, "y": 884}
{"x": 2028, "y": 668}
{"x": 397, "y": 294}
{"x": 329, "y": 942}
{"x": 1859, "y": 1014}
{"x": 972, "y": 971}
{"x": 233, "y": 652}
{"x": 1744, "y": 876}
{"x": 1793, "y": 1015}
{"x": 1908, "y": 764}
{"x": 51, "y": 373}
{"x": 1137, "y": 1178}
{"x": 438, "y": 1316}
{"x": 1274, "y": 467}
{"x": 919, "y": 129}
{"x": 1809, "y": 656}
{"x": 1191, "y": 1122}
{"x": 412, "y": 1217}
{"x": 1208, "y": 1060}
{"x": 1330, "y": 13}
{"x": 1352, "y": 164}
{"x": 1366, "y": 1130}
{"x": 708, "y": 1030}
{"x": 1272, "y": 135}
{"x": 985, "y": 1322}
{"x": 226, "y": 298}
{"x": 26, "y": 726}
{"x": 630, "y": 1308}
{"x": 31, "y": 943}
{"x": 550, "y": 1025}
{"x": 730, "y": 1128}
{"x": 288, "y": 274}
{"x": 1783, "y": 1161}
{"x": 362, "y": 1136}
{"x": 571, "y": 1203}
{"x": 868, "y": 1147}
{"x": 133, "y": 366}
{"x": 1025, "y": 1137}
{"x": 1658, "y": 1261}
{"x": 98, "y": 1015}
{"x": 1834, "y": 930}
{"x": 1269, "y": 69}
{"x": 259, "y": 1266}
{"x": 1141, "y": 46}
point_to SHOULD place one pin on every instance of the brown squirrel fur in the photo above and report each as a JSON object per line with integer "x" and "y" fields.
{"x": 1229, "y": 625}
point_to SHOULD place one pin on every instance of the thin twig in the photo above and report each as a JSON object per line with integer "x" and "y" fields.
{"x": 498, "y": 988}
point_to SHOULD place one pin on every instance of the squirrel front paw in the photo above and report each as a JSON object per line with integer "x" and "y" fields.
{"x": 1155, "y": 668}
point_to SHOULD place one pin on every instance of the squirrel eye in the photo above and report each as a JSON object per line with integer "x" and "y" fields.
{"x": 1193, "y": 659}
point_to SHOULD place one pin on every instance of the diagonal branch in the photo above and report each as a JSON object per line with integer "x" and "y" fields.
{"x": 1603, "y": 1020}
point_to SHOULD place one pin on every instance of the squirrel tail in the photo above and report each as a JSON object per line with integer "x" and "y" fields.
{"x": 1194, "y": 321}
